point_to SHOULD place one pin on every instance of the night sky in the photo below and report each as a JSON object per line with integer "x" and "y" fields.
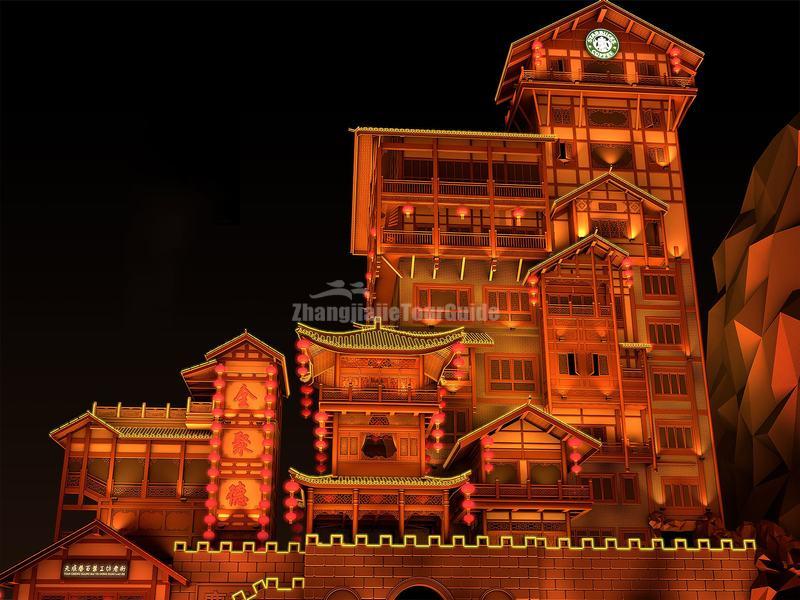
{"x": 175, "y": 173}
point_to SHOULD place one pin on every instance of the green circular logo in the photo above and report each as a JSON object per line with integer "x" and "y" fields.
{"x": 602, "y": 44}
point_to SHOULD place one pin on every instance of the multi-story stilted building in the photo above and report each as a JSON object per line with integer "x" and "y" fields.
{"x": 533, "y": 376}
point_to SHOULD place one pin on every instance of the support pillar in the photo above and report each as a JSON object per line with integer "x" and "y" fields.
{"x": 355, "y": 514}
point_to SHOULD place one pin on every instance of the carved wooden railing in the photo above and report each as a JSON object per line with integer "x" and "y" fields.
{"x": 533, "y": 491}
{"x": 380, "y": 394}
{"x": 623, "y": 78}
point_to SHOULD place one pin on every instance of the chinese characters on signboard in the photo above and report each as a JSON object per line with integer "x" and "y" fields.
{"x": 94, "y": 569}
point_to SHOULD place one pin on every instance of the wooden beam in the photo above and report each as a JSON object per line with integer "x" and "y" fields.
{"x": 630, "y": 26}
{"x": 574, "y": 24}
{"x": 650, "y": 37}
{"x": 463, "y": 264}
{"x": 601, "y": 15}
{"x": 519, "y": 270}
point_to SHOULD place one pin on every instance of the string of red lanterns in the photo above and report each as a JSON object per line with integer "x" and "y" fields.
{"x": 574, "y": 455}
{"x": 468, "y": 503}
{"x": 321, "y": 444}
{"x": 627, "y": 272}
{"x": 487, "y": 454}
{"x": 291, "y": 487}
{"x": 675, "y": 59}
{"x": 267, "y": 455}
{"x": 212, "y": 487}
{"x": 538, "y": 51}
{"x": 303, "y": 360}
{"x": 533, "y": 281}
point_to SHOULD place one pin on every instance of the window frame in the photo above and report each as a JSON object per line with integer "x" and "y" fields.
{"x": 669, "y": 321}
{"x": 610, "y": 476}
{"x": 508, "y": 315}
{"x": 574, "y": 355}
{"x": 419, "y": 315}
{"x": 676, "y": 424}
{"x": 681, "y": 481}
{"x": 678, "y": 372}
{"x": 651, "y": 295}
{"x": 591, "y": 359}
{"x": 534, "y": 360}
{"x": 621, "y": 480}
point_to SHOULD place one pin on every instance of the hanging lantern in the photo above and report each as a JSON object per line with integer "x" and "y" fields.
{"x": 573, "y": 442}
{"x": 305, "y": 413}
{"x": 211, "y": 503}
{"x": 518, "y": 213}
{"x": 321, "y": 417}
{"x": 468, "y": 504}
{"x": 469, "y": 518}
{"x": 217, "y": 397}
{"x": 213, "y": 457}
{"x": 575, "y": 456}
{"x": 302, "y": 359}
{"x": 459, "y": 348}
{"x": 209, "y": 519}
{"x": 437, "y": 434}
{"x": 217, "y": 412}
{"x": 371, "y": 255}
{"x": 272, "y": 370}
{"x": 458, "y": 362}
{"x": 373, "y": 232}
{"x": 219, "y": 383}
{"x": 438, "y": 418}
{"x": 408, "y": 210}
{"x": 262, "y": 536}
{"x": 675, "y": 51}
{"x": 487, "y": 454}
{"x": 462, "y": 211}
{"x": 219, "y": 369}
{"x": 576, "y": 469}
{"x": 209, "y": 535}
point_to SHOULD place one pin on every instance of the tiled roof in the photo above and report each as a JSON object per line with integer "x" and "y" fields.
{"x": 358, "y": 481}
{"x": 500, "y": 135}
{"x": 383, "y": 337}
{"x": 559, "y": 256}
{"x": 164, "y": 433}
{"x": 477, "y": 338}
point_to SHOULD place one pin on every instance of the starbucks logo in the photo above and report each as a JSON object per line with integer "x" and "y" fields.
{"x": 602, "y": 44}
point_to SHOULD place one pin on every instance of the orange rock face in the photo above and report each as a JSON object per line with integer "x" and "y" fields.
{"x": 754, "y": 344}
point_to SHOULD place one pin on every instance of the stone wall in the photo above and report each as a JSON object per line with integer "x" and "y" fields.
{"x": 458, "y": 571}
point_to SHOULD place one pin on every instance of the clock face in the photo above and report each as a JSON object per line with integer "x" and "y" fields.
{"x": 602, "y": 44}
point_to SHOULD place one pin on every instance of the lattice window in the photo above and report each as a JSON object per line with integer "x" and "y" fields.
{"x": 608, "y": 117}
{"x": 511, "y": 374}
{"x": 377, "y": 499}
{"x": 562, "y": 116}
{"x": 629, "y": 488}
{"x": 652, "y": 119}
{"x": 611, "y": 228}
{"x": 510, "y": 305}
{"x": 599, "y": 364}
{"x": 564, "y": 152}
{"x": 664, "y": 334}
{"x": 333, "y": 498}
{"x": 379, "y": 420}
{"x": 602, "y": 487}
{"x": 568, "y": 363}
{"x": 74, "y": 465}
{"x": 681, "y": 494}
{"x": 422, "y": 500}
{"x": 675, "y": 437}
{"x": 598, "y": 534}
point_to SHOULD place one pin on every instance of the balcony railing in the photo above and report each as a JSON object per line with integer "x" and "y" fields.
{"x": 462, "y": 189}
{"x": 532, "y": 491}
{"x": 407, "y": 238}
{"x": 514, "y": 240}
{"x": 618, "y": 78}
{"x": 577, "y": 310}
{"x": 380, "y": 394}
{"x": 635, "y": 450}
{"x": 463, "y": 240}
{"x": 127, "y": 490}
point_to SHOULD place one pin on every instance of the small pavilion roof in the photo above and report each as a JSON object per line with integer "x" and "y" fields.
{"x": 388, "y": 338}
{"x": 95, "y": 527}
{"x": 340, "y": 481}
{"x": 145, "y": 431}
{"x": 609, "y": 177}
{"x": 593, "y": 240}
{"x": 608, "y": 13}
{"x": 556, "y": 427}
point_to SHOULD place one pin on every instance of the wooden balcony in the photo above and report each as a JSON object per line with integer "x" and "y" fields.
{"x": 379, "y": 394}
{"x": 493, "y": 494}
{"x": 461, "y": 189}
{"x": 639, "y": 452}
{"x": 460, "y": 239}
{"x": 577, "y": 310}
{"x": 528, "y": 75}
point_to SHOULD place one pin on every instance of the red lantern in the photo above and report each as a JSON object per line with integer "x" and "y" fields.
{"x": 306, "y": 402}
{"x": 211, "y": 503}
{"x": 438, "y": 418}
{"x": 487, "y": 440}
{"x": 213, "y": 472}
{"x": 272, "y": 370}
{"x": 262, "y": 536}
{"x": 468, "y": 504}
{"x": 518, "y": 213}
{"x": 321, "y": 417}
{"x": 302, "y": 359}
{"x": 306, "y": 389}
{"x": 213, "y": 457}
{"x": 575, "y": 456}
{"x": 373, "y": 231}
{"x": 408, "y": 210}
{"x": 321, "y": 457}
{"x": 320, "y": 431}
{"x": 291, "y": 502}
{"x": 266, "y": 473}
{"x": 442, "y": 405}
{"x": 576, "y": 469}
{"x": 219, "y": 383}
{"x": 371, "y": 255}
{"x": 437, "y": 434}
{"x": 291, "y": 486}
{"x": 438, "y": 446}
{"x": 442, "y": 392}
{"x": 302, "y": 371}
{"x": 488, "y": 455}
{"x": 218, "y": 397}
{"x": 216, "y": 426}
{"x": 469, "y": 518}
{"x": 297, "y": 527}
{"x": 675, "y": 51}
{"x": 302, "y": 344}
{"x": 320, "y": 445}
{"x": 488, "y": 467}
{"x": 459, "y": 348}
{"x": 458, "y": 362}
{"x": 265, "y": 488}
{"x": 626, "y": 263}
{"x": 537, "y": 44}
{"x": 675, "y": 61}
{"x": 264, "y": 505}
{"x": 368, "y": 276}
{"x": 305, "y": 413}
{"x": 269, "y": 414}
{"x": 462, "y": 211}
{"x": 209, "y": 519}
{"x": 212, "y": 488}
{"x": 268, "y": 426}
{"x": 217, "y": 412}
{"x": 320, "y": 469}
{"x": 219, "y": 369}
{"x": 573, "y": 442}
{"x": 214, "y": 442}
{"x": 533, "y": 280}
{"x": 290, "y": 516}
{"x": 209, "y": 535}
{"x": 468, "y": 488}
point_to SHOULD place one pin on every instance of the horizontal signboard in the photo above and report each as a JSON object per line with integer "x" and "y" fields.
{"x": 94, "y": 569}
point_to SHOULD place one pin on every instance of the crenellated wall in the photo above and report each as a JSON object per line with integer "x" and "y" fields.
{"x": 339, "y": 571}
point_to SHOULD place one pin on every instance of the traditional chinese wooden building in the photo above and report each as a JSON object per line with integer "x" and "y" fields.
{"x": 157, "y": 473}
{"x": 545, "y": 384}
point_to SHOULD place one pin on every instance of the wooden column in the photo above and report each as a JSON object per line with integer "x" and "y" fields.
{"x": 310, "y": 510}
{"x": 618, "y": 361}
{"x": 63, "y": 486}
{"x": 181, "y": 466}
{"x": 651, "y": 418}
{"x": 87, "y": 442}
{"x": 490, "y": 189}
{"x": 435, "y": 191}
{"x": 545, "y": 341}
{"x": 401, "y": 513}
{"x": 146, "y": 469}
{"x": 113, "y": 460}
{"x": 445, "y": 515}
{"x": 355, "y": 514}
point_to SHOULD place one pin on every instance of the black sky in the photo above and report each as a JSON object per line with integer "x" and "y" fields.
{"x": 174, "y": 173}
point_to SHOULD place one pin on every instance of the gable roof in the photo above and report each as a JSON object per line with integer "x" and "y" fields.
{"x": 609, "y": 177}
{"x": 558, "y": 429}
{"x": 519, "y": 51}
{"x": 205, "y": 370}
{"x": 593, "y": 240}
{"x": 146, "y": 431}
{"x": 95, "y": 527}
{"x": 77, "y": 423}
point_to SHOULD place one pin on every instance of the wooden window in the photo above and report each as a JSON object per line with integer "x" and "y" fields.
{"x": 439, "y": 297}
{"x": 598, "y": 432}
{"x": 657, "y": 156}
{"x": 163, "y": 470}
{"x": 602, "y": 486}
{"x": 348, "y": 446}
{"x": 599, "y": 363}
{"x": 658, "y": 284}
{"x": 681, "y": 493}
{"x": 598, "y": 534}
{"x": 607, "y": 206}
{"x": 675, "y": 436}
{"x": 503, "y": 473}
{"x": 455, "y": 424}
{"x": 562, "y": 116}
{"x": 669, "y": 384}
{"x": 509, "y": 304}
{"x": 409, "y": 446}
{"x": 664, "y": 334}
{"x": 648, "y": 68}
{"x": 564, "y": 151}
{"x": 611, "y": 228}
{"x": 629, "y": 488}
{"x": 515, "y": 172}
{"x": 461, "y": 170}
{"x": 652, "y": 119}
{"x": 511, "y": 374}
{"x": 559, "y": 65}
{"x": 129, "y": 470}
{"x": 418, "y": 169}
{"x": 567, "y": 363}
{"x": 194, "y": 471}
{"x": 608, "y": 117}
